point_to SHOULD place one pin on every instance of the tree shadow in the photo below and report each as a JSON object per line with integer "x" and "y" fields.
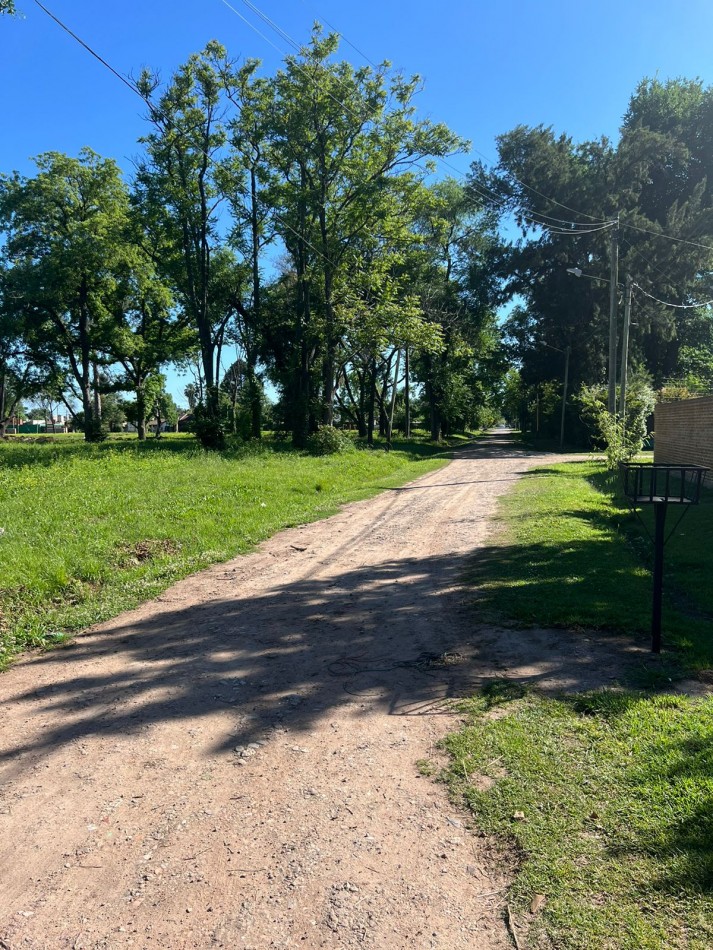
{"x": 383, "y": 636}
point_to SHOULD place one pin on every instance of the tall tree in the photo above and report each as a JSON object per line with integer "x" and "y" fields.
{"x": 342, "y": 142}
{"x": 181, "y": 191}
{"x": 253, "y": 229}
{"x": 655, "y": 179}
{"x": 65, "y": 246}
{"x": 145, "y": 334}
{"x": 453, "y": 273}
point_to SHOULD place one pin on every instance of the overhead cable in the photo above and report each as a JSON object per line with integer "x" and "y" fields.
{"x": 157, "y": 112}
{"x": 514, "y": 177}
{"x": 668, "y": 237}
{"x": 677, "y": 306}
{"x": 533, "y": 217}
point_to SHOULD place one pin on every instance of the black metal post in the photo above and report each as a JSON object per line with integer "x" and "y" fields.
{"x": 659, "y": 537}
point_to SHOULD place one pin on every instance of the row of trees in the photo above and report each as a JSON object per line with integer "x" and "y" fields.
{"x": 658, "y": 181}
{"x": 295, "y": 218}
{"x": 289, "y": 216}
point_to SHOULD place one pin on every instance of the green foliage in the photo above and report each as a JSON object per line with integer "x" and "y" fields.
{"x": 180, "y": 192}
{"x": 622, "y": 438}
{"x": 329, "y": 441}
{"x": 657, "y": 177}
{"x": 616, "y": 828}
{"x": 68, "y": 253}
{"x": 209, "y": 427}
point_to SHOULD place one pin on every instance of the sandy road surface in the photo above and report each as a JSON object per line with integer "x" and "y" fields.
{"x": 128, "y": 818}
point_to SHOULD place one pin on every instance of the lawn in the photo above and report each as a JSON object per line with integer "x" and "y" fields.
{"x": 606, "y": 798}
{"x": 88, "y": 531}
{"x": 567, "y": 552}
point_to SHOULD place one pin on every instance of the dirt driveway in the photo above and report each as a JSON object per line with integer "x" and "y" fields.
{"x": 234, "y": 764}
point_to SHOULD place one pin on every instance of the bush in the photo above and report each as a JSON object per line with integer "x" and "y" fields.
{"x": 328, "y": 441}
{"x": 622, "y": 438}
{"x": 209, "y": 430}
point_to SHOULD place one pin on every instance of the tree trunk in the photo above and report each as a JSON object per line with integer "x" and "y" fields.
{"x": 372, "y": 402}
{"x": 390, "y": 427}
{"x": 255, "y": 390}
{"x": 407, "y": 397}
{"x": 141, "y": 413}
{"x": 301, "y": 414}
{"x": 92, "y": 425}
{"x": 434, "y": 414}
{"x": 254, "y": 400}
{"x": 3, "y": 420}
{"x": 383, "y": 416}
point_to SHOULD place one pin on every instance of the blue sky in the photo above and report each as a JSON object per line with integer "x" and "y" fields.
{"x": 487, "y": 66}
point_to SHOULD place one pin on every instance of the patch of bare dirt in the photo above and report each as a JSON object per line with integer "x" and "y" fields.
{"x": 234, "y": 764}
{"x": 146, "y": 550}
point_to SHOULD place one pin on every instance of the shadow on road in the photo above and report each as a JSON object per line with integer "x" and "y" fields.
{"x": 381, "y": 635}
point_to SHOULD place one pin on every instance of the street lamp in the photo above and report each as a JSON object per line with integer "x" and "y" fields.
{"x": 613, "y": 280}
{"x": 578, "y": 272}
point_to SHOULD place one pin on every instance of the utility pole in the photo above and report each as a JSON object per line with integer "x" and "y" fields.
{"x": 625, "y": 348}
{"x": 614, "y": 278}
{"x": 407, "y": 397}
{"x": 564, "y": 394}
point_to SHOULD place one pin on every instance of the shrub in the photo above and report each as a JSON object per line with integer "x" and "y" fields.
{"x": 328, "y": 441}
{"x": 622, "y": 438}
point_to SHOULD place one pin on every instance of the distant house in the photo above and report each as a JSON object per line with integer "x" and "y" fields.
{"x": 151, "y": 425}
{"x": 185, "y": 422}
{"x": 53, "y": 425}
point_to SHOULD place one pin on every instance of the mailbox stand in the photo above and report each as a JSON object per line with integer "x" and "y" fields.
{"x": 661, "y": 486}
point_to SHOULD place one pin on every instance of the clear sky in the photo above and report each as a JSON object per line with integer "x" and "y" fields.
{"x": 486, "y": 66}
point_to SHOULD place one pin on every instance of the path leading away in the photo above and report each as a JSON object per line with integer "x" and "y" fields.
{"x": 234, "y": 764}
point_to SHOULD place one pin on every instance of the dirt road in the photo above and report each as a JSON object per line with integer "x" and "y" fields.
{"x": 234, "y": 764}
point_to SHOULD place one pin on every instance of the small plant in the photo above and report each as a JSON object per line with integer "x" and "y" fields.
{"x": 622, "y": 437}
{"x": 329, "y": 441}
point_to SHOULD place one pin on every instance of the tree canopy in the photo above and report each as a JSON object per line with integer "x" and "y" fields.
{"x": 291, "y": 226}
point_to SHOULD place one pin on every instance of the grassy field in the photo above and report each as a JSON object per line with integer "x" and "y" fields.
{"x": 606, "y": 798}
{"x": 88, "y": 531}
{"x": 568, "y": 553}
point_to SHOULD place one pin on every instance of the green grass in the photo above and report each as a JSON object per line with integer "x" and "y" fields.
{"x": 568, "y": 553}
{"x": 608, "y": 801}
{"x": 606, "y": 797}
{"x": 88, "y": 531}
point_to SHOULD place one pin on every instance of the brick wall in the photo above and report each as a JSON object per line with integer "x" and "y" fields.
{"x": 683, "y": 433}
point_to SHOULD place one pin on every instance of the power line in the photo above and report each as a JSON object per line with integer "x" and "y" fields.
{"x": 664, "y": 274}
{"x": 514, "y": 177}
{"x": 668, "y": 237}
{"x": 658, "y": 271}
{"x": 477, "y": 151}
{"x": 485, "y": 192}
{"x": 524, "y": 184}
{"x": 532, "y": 217}
{"x": 346, "y": 40}
{"x": 677, "y": 306}
{"x": 252, "y": 26}
{"x": 158, "y": 113}
{"x": 127, "y": 82}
